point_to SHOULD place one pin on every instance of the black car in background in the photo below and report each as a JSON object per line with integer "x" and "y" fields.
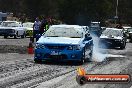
{"x": 130, "y": 34}
{"x": 112, "y": 37}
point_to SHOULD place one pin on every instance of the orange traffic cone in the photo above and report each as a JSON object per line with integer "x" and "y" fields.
{"x": 30, "y": 47}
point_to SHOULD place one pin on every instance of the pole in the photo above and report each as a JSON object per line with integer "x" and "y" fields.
{"x": 116, "y": 15}
{"x": 117, "y": 8}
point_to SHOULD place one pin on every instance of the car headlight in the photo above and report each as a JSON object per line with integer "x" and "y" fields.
{"x": 40, "y": 46}
{"x": 37, "y": 45}
{"x": 70, "y": 48}
{"x": 118, "y": 40}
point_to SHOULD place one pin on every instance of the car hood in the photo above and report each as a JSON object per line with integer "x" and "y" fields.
{"x": 58, "y": 40}
{"x": 9, "y": 27}
{"x": 110, "y": 37}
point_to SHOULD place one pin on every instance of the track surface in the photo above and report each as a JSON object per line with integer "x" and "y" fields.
{"x": 20, "y": 71}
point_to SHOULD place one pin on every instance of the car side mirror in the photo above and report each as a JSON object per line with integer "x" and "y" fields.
{"x": 87, "y": 37}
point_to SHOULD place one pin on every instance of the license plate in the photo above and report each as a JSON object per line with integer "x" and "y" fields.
{"x": 55, "y": 53}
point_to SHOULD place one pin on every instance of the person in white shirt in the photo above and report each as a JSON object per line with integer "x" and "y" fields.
{"x": 36, "y": 28}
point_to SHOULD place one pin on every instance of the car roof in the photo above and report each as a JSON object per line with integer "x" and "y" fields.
{"x": 10, "y": 21}
{"x": 75, "y": 27}
{"x": 114, "y": 29}
{"x": 67, "y": 26}
{"x": 127, "y": 27}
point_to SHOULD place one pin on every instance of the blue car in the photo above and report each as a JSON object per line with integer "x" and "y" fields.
{"x": 64, "y": 43}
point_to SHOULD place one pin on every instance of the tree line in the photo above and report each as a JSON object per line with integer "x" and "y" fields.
{"x": 70, "y": 11}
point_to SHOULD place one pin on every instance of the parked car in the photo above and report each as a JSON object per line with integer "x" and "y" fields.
{"x": 126, "y": 30}
{"x": 130, "y": 34}
{"x": 12, "y": 28}
{"x": 112, "y": 37}
{"x": 29, "y": 28}
{"x": 64, "y": 43}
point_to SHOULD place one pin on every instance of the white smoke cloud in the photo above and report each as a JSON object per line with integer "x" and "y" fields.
{"x": 97, "y": 55}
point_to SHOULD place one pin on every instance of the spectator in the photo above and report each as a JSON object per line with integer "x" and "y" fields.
{"x": 43, "y": 26}
{"x": 119, "y": 26}
{"x": 36, "y": 28}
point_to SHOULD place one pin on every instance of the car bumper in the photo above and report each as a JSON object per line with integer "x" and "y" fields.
{"x": 110, "y": 42}
{"x": 48, "y": 55}
{"x": 7, "y": 34}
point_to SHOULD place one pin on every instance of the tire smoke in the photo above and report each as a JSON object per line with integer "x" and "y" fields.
{"x": 97, "y": 55}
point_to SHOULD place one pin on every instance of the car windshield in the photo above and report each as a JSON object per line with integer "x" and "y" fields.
{"x": 64, "y": 32}
{"x": 94, "y": 28}
{"x": 30, "y": 25}
{"x": 130, "y": 30}
{"x": 10, "y": 24}
{"x": 108, "y": 32}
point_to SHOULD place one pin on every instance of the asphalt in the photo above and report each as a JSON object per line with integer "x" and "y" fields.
{"x": 18, "y": 70}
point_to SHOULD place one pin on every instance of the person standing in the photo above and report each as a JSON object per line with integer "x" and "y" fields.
{"x": 36, "y": 28}
{"x": 43, "y": 26}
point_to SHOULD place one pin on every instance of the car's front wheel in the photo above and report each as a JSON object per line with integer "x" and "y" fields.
{"x": 82, "y": 61}
{"x": 37, "y": 61}
{"x": 123, "y": 46}
{"x": 5, "y": 36}
{"x": 15, "y": 36}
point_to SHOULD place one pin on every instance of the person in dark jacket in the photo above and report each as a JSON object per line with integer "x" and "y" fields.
{"x": 43, "y": 26}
